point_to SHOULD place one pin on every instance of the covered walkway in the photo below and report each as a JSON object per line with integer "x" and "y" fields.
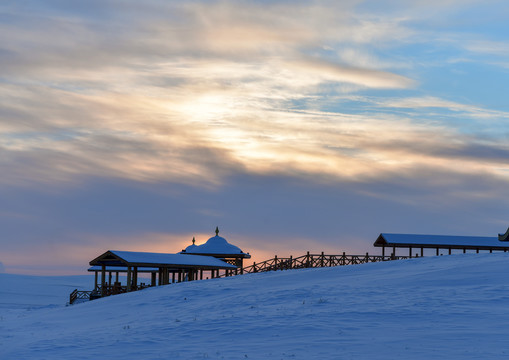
{"x": 438, "y": 242}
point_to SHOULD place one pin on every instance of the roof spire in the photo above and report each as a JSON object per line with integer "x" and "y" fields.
{"x": 217, "y": 231}
{"x": 193, "y": 240}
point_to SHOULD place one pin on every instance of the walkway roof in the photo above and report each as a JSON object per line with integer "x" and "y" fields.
{"x": 443, "y": 241}
{"x": 159, "y": 260}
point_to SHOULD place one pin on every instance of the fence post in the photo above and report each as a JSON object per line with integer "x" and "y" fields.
{"x": 73, "y": 296}
{"x": 291, "y": 262}
{"x": 321, "y": 259}
{"x": 367, "y": 257}
{"x": 275, "y": 262}
{"x": 307, "y": 259}
{"x": 344, "y": 258}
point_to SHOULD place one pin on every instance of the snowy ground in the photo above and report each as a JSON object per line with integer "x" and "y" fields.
{"x": 448, "y": 307}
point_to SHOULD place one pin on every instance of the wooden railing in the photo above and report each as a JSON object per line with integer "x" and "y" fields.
{"x": 315, "y": 260}
{"x": 79, "y": 295}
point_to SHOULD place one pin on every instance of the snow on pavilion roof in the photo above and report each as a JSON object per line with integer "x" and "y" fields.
{"x": 439, "y": 240}
{"x": 156, "y": 259}
{"x": 122, "y": 269}
{"x": 215, "y": 245}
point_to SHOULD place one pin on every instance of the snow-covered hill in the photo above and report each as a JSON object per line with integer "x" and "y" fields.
{"x": 448, "y": 307}
{"x": 25, "y": 292}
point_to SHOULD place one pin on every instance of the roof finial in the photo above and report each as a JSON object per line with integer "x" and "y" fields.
{"x": 217, "y": 231}
{"x": 193, "y": 240}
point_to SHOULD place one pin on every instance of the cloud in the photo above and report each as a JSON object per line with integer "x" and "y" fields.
{"x": 198, "y": 92}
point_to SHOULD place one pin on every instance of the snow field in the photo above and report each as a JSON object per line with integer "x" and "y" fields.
{"x": 451, "y": 307}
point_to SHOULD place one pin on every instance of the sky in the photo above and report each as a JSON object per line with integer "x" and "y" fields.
{"x": 291, "y": 125}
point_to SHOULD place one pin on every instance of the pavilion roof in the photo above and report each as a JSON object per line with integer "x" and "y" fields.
{"x": 118, "y": 258}
{"x": 216, "y": 246}
{"x": 432, "y": 241}
{"x": 122, "y": 269}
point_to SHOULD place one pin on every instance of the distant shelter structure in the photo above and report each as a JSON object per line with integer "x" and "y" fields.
{"x": 438, "y": 242}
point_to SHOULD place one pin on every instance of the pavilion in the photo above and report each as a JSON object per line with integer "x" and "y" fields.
{"x": 191, "y": 264}
{"x": 159, "y": 265}
{"x": 219, "y": 248}
{"x": 445, "y": 242}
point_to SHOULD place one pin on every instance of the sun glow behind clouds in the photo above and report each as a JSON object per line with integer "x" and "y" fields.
{"x": 248, "y": 88}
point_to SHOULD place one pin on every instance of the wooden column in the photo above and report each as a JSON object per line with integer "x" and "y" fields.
{"x": 422, "y": 251}
{"x": 103, "y": 280}
{"x": 394, "y": 251}
{"x": 96, "y": 276}
{"x": 160, "y": 275}
{"x": 437, "y": 251}
{"x": 464, "y": 250}
{"x": 109, "y": 278}
{"x": 129, "y": 282}
{"x": 135, "y": 278}
{"x": 450, "y": 251}
{"x": 173, "y": 276}
{"x": 410, "y": 251}
{"x": 383, "y": 250}
{"x": 116, "y": 276}
{"x": 153, "y": 279}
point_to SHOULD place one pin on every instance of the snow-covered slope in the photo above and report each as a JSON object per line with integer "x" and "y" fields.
{"x": 448, "y": 307}
{"x": 32, "y": 292}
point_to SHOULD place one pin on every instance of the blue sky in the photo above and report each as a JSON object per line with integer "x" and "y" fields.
{"x": 292, "y": 126}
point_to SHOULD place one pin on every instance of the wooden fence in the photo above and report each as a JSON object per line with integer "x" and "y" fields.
{"x": 314, "y": 261}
